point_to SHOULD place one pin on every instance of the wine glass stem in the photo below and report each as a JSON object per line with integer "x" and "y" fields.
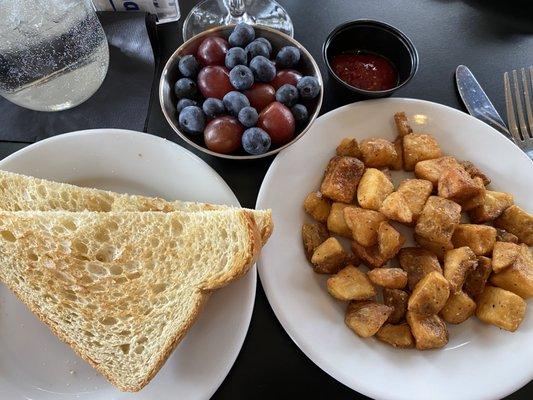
{"x": 236, "y": 7}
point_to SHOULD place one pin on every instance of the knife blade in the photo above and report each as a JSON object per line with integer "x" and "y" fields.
{"x": 476, "y": 100}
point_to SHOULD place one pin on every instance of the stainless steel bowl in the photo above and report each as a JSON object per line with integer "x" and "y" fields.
{"x": 170, "y": 74}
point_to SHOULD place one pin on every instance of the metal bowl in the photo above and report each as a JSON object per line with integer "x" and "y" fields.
{"x": 307, "y": 66}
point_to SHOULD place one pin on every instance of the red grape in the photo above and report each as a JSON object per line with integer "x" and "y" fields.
{"x": 212, "y": 51}
{"x": 213, "y": 81}
{"x": 260, "y": 95}
{"x": 278, "y": 121}
{"x": 223, "y": 134}
{"x": 285, "y": 76}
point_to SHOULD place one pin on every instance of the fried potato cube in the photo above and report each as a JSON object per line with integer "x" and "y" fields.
{"x": 397, "y": 299}
{"x": 396, "y": 335}
{"x": 373, "y": 187}
{"x": 518, "y": 222}
{"x": 402, "y": 124}
{"x": 329, "y": 257}
{"x": 336, "y": 223}
{"x": 317, "y": 206}
{"x": 419, "y": 147}
{"x": 477, "y": 277}
{"x": 439, "y": 249}
{"x": 350, "y": 283}
{"x": 364, "y": 224}
{"x": 475, "y": 172}
{"x": 458, "y": 308}
{"x": 480, "y": 238}
{"x": 392, "y": 278}
{"x": 432, "y": 169}
{"x": 366, "y": 317}
{"x": 477, "y": 200}
{"x": 503, "y": 236}
{"x": 415, "y": 192}
{"x": 349, "y": 147}
{"x": 341, "y": 178}
{"x": 313, "y": 235}
{"x": 390, "y": 241}
{"x": 429, "y": 295}
{"x": 418, "y": 262}
{"x": 502, "y": 308}
{"x": 456, "y": 184}
{"x": 438, "y": 220}
{"x": 517, "y": 278}
{"x": 457, "y": 264}
{"x": 504, "y": 255}
{"x": 494, "y": 203}
{"x": 429, "y": 332}
{"x": 398, "y": 146}
{"x": 369, "y": 255}
{"x": 378, "y": 153}
{"x": 395, "y": 207}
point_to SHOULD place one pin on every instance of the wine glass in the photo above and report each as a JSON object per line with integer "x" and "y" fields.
{"x": 211, "y": 13}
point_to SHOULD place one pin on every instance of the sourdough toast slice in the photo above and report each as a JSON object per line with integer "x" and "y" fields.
{"x": 122, "y": 289}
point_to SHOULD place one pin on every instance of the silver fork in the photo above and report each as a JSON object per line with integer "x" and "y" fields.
{"x": 518, "y": 90}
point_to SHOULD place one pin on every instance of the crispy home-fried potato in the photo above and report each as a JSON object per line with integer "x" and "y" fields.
{"x": 458, "y": 308}
{"x": 402, "y": 124}
{"x": 494, "y": 203}
{"x": 395, "y": 207}
{"x": 419, "y": 147}
{"x": 349, "y": 147}
{"x": 317, "y": 206}
{"x": 517, "y": 278}
{"x": 341, "y": 178}
{"x": 369, "y": 255}
{"x": 390, "y": 241}
{"x": 392, "y": 278}
{"x": 313, "y": 235}
{"x": 477, "y": 200}
{"x": 477, "y": 277}
{"x": 518, "y": 222}
{"x": 329, "y": 257}
{"x": 398, "y": 146}
{"x": 432, "y": 169}
{"x": 503, "y": 236}
{"x": 373, "y": 188}
{"x": 438, "y": 220}
{"x": 397, "y": 299}
{"x": 364, "y": 225}
{"x": 500, "y": 307}
{"x": 456, "y": 184}
{"x": 457, "y": 264}
{"x": 396, "y": 335}
{"x": 378, "y": 153}
{"x": 480, "y": 238}
{"x": 475, "y": 172}
{"x": 439, "y": 249}
{"x": 415, "y": 193}
{"x": 418, "y": 262}
{"x": 336, "y": 223}
{"x": 350, "y": 283}
{"x": 366, "y": 317}
{"x": 429, "y": 295}
{"x": 504, "y": 255}
{"x": 429, "y": 331}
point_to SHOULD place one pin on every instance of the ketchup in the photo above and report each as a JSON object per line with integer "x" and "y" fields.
{"x": 365, "y": 71}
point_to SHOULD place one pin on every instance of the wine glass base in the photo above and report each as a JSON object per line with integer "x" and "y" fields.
{"x": 212, "y": 13}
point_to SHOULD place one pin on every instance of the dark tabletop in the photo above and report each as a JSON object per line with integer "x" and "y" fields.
{"x": 489, "y": 37}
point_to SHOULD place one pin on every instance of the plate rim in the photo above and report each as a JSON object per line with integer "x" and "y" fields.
{"x": 182, "y": 151}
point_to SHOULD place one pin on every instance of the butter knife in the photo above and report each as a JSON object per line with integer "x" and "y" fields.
{"x": 476, "y": 101}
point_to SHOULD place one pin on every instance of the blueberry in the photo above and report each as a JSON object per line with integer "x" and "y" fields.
{"x": 265, "y": 41}
{"x": 241, "y": 77}
{"x": 182, "y": 103}
{"x": 213, "y": 107}
{"x": 189, "y": 66}
{"x": 234, "y": 102}
{"x": 241, "y": 35}
{"x": 300, "y": 113}
{"x": 185, "y": 87}
{"x": 287, "y": 94}
{"x": 192, "y": 120}
{"x": 248, "y": 116}
{"x": 263, "y": 69}
{"x": 288, "y": 57}
{"x": 308, "y": 87}
{"x": 257, "y": 48}
{"x": 235, "y": 56}
{"x": 255, "y": 141}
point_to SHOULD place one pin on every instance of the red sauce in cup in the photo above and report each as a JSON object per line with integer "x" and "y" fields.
{"x": 365, "y": 71}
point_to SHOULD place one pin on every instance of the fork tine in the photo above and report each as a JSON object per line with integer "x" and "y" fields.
{"x": 511, "y": 119}
{"x": 519, "y": 108}
{"x": 527, "y": 102}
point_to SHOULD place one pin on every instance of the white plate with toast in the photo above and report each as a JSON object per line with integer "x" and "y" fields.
{"x": 33, "y": 362}
{"x": 480, "y": 361}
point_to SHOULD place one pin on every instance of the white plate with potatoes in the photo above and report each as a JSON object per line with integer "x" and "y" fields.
{"x": 404, "y": 289}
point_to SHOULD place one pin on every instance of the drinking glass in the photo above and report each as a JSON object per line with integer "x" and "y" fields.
{"x": 53, "y": 53}
{"x": 211, "y": 13}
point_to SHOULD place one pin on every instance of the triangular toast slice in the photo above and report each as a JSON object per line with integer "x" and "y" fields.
{"x": 26, "y": 193}
{"x": 122, "y": 289}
